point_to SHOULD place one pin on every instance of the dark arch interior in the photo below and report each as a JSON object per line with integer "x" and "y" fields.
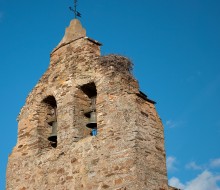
{"x": 89, "y": 89}
{"x": 51, "y": 119}
{"x": 51, "y": 101}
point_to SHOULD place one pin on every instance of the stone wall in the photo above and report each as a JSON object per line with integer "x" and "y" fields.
{"x": 128, "y": 152}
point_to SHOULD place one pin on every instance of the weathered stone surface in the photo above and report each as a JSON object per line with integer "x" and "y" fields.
{"x": 73, "y": 32}
{"x": 128, "y": 152}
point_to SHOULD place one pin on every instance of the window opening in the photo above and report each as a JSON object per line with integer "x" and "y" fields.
{"x": 90, "y": 91}
{"x": 51, "y": 120}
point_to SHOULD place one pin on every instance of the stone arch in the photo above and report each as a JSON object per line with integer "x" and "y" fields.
{"x": 85, "y": 103}
{"x": 47, "y": 116}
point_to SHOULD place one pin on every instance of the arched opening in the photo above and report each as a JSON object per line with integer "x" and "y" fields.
{"x": 47, "y": 128}
{"x": 51, "y": 119}
{"x": 86, "y": 105}
{"x": 91, "y": 92}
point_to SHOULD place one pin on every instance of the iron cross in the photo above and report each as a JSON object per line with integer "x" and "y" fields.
{"x": 76, "y": 13}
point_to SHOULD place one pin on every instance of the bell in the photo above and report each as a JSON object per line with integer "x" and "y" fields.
{"x": 92, "y": 121}
{"x": 53, "y": 135}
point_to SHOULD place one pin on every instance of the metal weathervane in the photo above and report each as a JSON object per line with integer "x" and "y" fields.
{"x": 76, "y": 13}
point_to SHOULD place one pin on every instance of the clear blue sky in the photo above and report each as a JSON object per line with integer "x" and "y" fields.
{"x": 175, "y": 47}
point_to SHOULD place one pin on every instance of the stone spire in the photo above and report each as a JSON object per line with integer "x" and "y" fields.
{"x": 73, "y": 32}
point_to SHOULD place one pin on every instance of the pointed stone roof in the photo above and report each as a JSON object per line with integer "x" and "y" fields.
{"x": 73, "y": 32}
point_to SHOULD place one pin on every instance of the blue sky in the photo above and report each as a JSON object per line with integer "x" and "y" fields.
{"x": 175, "y": 48}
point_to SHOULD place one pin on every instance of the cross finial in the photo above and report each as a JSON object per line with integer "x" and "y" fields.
{"x": 76, "y": 13}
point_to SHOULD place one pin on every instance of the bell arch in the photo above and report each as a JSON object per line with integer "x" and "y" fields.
{"x": 85, "y": 105}
{"x": 47, "y": 123}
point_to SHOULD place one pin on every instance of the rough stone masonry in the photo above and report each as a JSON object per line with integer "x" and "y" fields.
{"x": 128, "y": 151}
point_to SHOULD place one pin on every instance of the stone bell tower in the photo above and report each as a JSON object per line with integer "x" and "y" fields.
{"x": 86, "y": 125}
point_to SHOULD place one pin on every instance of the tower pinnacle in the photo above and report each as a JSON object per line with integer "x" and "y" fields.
{"x": 73, "y": 32}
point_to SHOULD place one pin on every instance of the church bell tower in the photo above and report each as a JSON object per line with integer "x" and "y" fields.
{"x": 87, "y": 126}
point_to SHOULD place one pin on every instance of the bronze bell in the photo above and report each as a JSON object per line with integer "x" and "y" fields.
{"x": 53, "y": 135}
{"x": 92, "y": 121}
